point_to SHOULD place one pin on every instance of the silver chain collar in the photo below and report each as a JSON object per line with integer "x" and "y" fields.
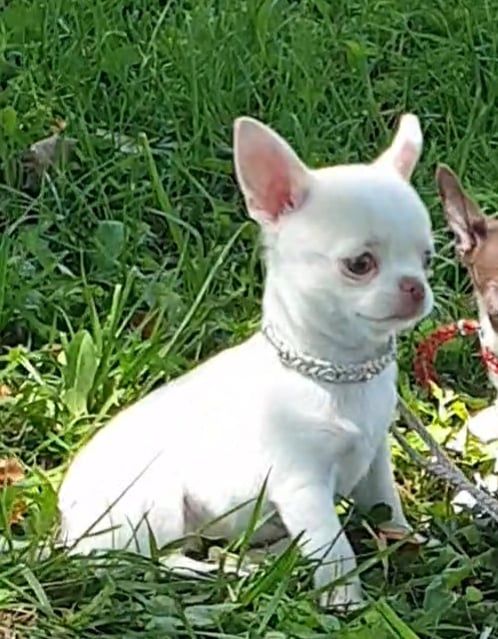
{"x": 322, "y": 370}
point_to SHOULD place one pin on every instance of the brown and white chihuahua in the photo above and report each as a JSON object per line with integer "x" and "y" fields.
{"x": 477, "y": 248}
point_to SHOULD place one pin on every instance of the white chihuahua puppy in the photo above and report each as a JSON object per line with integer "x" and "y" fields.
{"x": 306, "y": 403}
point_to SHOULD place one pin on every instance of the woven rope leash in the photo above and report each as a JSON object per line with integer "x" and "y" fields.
{"x": 439, "y": 464}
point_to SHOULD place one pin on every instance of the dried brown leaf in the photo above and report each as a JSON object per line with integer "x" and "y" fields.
{"x": 14, "y": 622}
{"x": 5, "y": 391}
{"x": 11, "y": 472}
{"x": 43, "y": 155}
{"x": 143, "y": 322}
{"x": 17, "y": 513}
{"x": 394, "y": 533}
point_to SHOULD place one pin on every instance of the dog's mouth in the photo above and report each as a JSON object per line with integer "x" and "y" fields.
{"x": 398, "y": 317}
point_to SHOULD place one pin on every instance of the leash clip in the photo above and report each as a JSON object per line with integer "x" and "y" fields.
{"x": 467, "y": 327}
{"x": 462, "y": 329}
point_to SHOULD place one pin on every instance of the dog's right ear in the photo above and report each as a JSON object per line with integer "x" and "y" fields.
{"x": 272, "y": 178}
{"x": 463, "y": 215}
{"x": 405, "y": 149}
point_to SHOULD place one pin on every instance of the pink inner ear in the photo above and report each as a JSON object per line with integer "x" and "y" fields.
{"x": 269, "y": 182}
{"x": 405, "y": 159}
{"x": 278, "y": 196}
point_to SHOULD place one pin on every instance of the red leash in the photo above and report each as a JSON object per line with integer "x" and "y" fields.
{"x": 424, "y": 363}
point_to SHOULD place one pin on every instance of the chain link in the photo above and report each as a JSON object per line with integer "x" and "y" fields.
{"x": 324, "y": 371}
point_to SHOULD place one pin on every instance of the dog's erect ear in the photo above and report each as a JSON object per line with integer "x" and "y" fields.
{"x": 271, "y": 177}
{"x": 405, "y": 149}
{"x": 463, "y": 215}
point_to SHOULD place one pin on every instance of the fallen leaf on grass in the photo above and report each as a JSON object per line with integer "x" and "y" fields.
{"x": 18, "y": 512}
{"x": 384, "y": 532}
{"x": 5, "y": 391}
{"x": 392, "y": 533}
{"x": 143, "y": 322}
{"x": 11, "y": 472}
{"x": 12, "y": 623}
{"x": 46, "y": 153}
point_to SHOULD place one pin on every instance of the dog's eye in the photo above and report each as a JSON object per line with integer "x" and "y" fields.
{"x": 427, "y": 260}
{"x": 361, "y": 265}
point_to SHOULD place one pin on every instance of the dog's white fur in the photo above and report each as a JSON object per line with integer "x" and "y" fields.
{"x": 205, "y": 443}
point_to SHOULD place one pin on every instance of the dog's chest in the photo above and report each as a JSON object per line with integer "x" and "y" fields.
{"x": 370, "y": 408}
{"x": 340, "y": 427}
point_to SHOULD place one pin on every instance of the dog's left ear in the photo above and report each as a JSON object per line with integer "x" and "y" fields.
{"x": 463, "y": 215}
{"x": 405, "y": 149}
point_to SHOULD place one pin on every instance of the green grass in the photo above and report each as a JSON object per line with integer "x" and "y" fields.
{"x": 155, "y": 230}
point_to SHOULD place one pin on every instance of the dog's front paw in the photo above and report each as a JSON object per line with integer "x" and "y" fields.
{"x": 345, "y": 598}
